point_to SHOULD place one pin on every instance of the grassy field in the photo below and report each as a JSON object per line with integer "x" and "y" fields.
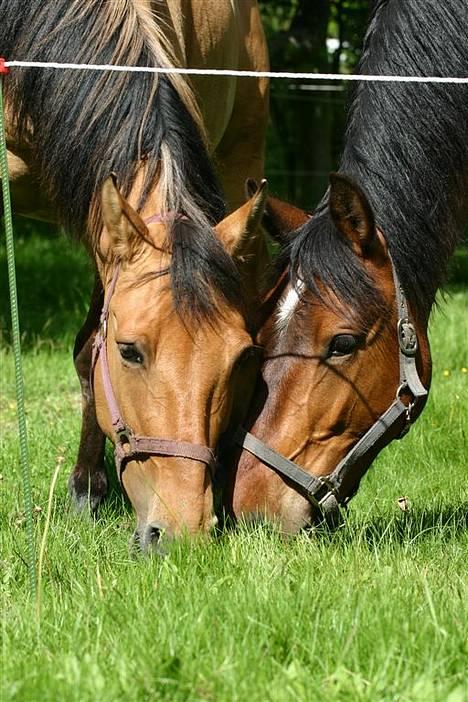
{"x": 377, "y": 611}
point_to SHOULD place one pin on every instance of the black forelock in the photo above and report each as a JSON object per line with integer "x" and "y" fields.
{"x": 202, "y": 272}
{"x": 325, "y": 262}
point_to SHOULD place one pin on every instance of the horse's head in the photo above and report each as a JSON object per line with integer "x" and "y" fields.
{"x": 169, "y": 376}
{"x": 332, "y": 360}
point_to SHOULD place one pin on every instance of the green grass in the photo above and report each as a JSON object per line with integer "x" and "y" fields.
{"x": 377, "y": 611}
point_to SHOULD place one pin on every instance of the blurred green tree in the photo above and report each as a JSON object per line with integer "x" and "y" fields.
{"x": 308, "y": 117}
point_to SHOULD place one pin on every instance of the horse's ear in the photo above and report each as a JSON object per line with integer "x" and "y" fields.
{"x": 281, "y": 219}
{"x": 353, "y": 216}
{"x": 238, "y": 229}
{"x": 124, "y": 230}
{"x": 251, "y": 188}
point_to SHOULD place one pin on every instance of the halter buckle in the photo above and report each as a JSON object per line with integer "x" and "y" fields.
{"x": 103, "y": 328}
{"x": 409, "y": 409}
{"x": 124, "y": 435}
{"x": 408, "y": 412}
{"x": 326, "y": 489}
{"x": 407, "y": 337}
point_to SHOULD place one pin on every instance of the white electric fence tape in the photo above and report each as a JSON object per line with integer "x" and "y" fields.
{"x": 240, "y": 74}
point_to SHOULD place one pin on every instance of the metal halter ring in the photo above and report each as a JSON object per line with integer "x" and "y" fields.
{"x": 124, "y": 436}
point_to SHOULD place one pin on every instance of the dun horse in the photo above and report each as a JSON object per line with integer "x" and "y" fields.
{"x": 174, "y": 354}
{"x": 348, "y": 363}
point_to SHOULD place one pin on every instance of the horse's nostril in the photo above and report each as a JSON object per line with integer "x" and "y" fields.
{"x": 145, "y": 540}
{"x": 153, "y": 533}
{"x": 151, "y": 537}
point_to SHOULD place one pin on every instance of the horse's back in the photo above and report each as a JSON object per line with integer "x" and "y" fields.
{"x": 226, "y": 34}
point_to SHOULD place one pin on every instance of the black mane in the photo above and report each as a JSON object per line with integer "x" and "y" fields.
{"x": 83, "y": 125}
{"x": 407, "y": 148}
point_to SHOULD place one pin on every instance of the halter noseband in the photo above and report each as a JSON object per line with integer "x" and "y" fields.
{"x": 128, "y": 445}
{"x": 329, "y": 493}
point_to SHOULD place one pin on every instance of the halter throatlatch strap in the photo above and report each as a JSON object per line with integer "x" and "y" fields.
{"x": 328, "y": 493}
{"x": 129, "y": 446}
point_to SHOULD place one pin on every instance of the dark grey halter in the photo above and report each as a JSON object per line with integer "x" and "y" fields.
{"x": 329, "y": 493}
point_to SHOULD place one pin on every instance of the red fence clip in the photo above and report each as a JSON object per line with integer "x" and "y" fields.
{"x": 3, "y": 69}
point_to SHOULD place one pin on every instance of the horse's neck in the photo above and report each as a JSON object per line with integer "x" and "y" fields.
{"x": 204, "y": 35}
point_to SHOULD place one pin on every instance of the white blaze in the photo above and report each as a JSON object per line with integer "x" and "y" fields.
{"x": 287, "y": 306}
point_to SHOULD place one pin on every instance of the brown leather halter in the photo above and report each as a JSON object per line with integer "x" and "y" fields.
{"x": 128, "y": 445}
{"x": 329, "y": 493}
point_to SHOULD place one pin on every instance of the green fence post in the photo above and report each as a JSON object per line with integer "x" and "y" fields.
{"x": 23, "y": 439}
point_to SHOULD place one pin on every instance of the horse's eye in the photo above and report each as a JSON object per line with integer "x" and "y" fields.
{"x": 343, "y": 345}
{"x": 130, "y": 353}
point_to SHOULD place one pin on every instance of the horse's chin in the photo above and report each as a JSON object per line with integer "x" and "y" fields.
{"x": 289, "y": 520}
{"x": 294, "y": 515}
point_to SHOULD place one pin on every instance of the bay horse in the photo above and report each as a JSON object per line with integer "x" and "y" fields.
{"x": 166, "y": 349}
{"x": 347, "y": 360}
